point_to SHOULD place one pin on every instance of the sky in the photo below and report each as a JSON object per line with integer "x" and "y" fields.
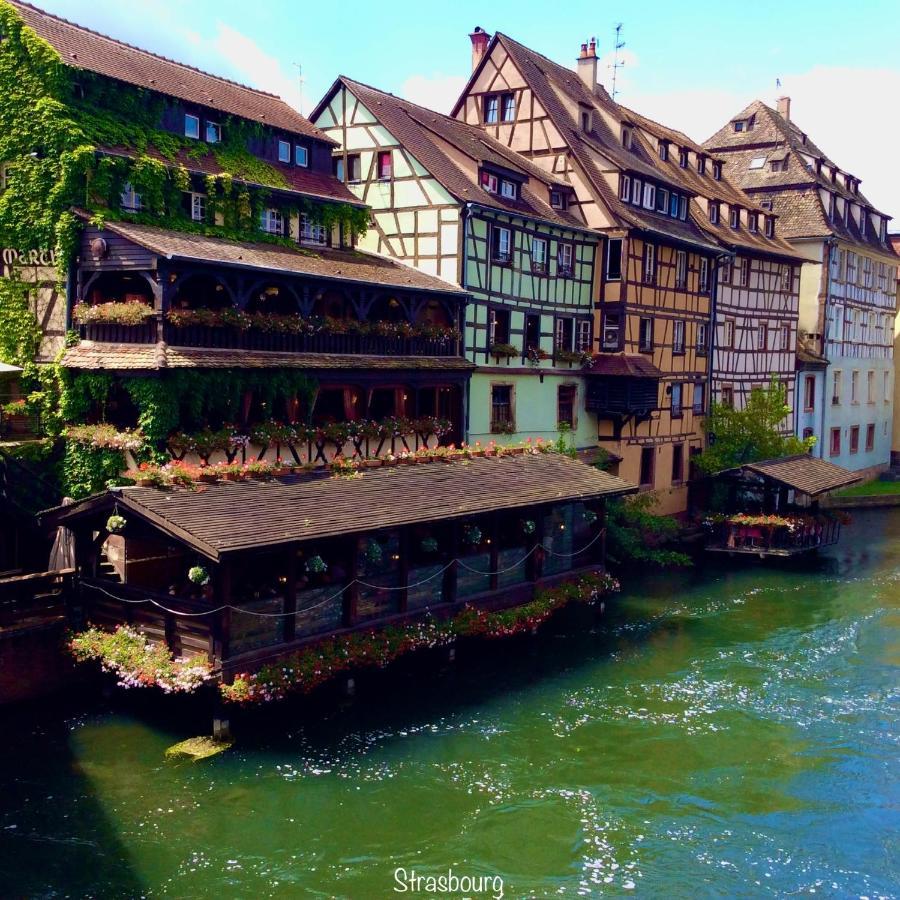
{"x": 691, "y": 65}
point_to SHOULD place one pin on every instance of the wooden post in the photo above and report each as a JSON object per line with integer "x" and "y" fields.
{"x": 450, "y": 591}
{"x": 351, "y": 594}
{"x": 290, "y": 596}
{"x": 221, "y": 630}
{"x": 495, "y": 550}
{"x": 405, "y": 544}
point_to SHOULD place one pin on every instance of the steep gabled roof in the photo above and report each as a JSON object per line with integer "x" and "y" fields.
{"x": 430, "y": 136}
{"x": 81, "y": 48}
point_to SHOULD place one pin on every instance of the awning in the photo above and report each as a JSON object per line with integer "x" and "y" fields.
{"x": 622, "y": 365}
{"x": 234, "y": 516}
{"x": 803, "y": 473}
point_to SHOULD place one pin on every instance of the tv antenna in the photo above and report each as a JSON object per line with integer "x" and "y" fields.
{"x": 299, "y": 69}
{"x": 618, "y": 45}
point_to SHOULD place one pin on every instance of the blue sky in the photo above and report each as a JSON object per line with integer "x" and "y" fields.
{"x": 691, "y": 65}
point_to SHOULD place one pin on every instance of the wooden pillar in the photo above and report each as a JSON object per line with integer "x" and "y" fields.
{"x": 405, "y": 545}
{"x": 351, "y": 594}
{"x": 602, "y": 541}
{"x": 221, "y": 630}
{"x": 537, "y": 558}
{"x": 290, "y": 595}
{"x": 494, "y": 532}
{"x": 450, "y": 591}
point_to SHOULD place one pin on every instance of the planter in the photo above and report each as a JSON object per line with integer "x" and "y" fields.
{"x": 515, "y": 451}
{"x": 146, "y": 482}
{"x": 232, "y": 476}
{"x": 372, "y": 463}
{"x": 207, "y": 477}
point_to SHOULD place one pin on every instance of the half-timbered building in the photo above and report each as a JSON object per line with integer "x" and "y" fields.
{"x": 848, "y": 298}
{"x": 455, "y": 203}
{"x": 649, "y": 385}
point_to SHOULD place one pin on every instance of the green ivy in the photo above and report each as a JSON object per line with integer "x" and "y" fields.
{"x": 20, "y": 332}
{"x": 86, "y": 470}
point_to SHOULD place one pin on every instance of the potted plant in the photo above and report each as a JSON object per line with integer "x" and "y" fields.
{"x": 115, "y": 524}
{"x": 198, "y": 575}
{"x": 315, "y": 565}
{"x": 507, "y": 350}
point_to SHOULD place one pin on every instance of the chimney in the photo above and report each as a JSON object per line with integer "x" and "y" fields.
{"x": 587, "y": 64}
{"x": 784, "y": 108}
{"x": 480, "y": 40}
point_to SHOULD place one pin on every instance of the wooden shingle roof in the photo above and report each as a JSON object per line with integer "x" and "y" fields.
{"x": 231, "y": 517}
{"x": 804, "y": 473}
{"x": 81, "y": 48}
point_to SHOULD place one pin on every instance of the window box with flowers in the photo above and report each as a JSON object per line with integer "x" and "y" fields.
{"x": 505, "y": 350}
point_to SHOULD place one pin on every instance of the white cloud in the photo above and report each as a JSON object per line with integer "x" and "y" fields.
{"x": 438, "y": 91}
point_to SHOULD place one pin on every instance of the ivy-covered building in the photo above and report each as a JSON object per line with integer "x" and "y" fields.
{"x": 457, "y": 203}
{"x": 220, "y": 308}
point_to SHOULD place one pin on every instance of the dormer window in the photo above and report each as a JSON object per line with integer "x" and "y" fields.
{"x": 557, "y": 199}
{"x": 701, "y": 165}
{"x": 284, "y": 151}
{"x": 491, "y": 109}
{"x": 213, "y": 133}
{"x": 586, "y": 124}
{"x": 765, "y": 204}
{"x": 682, "y": 208}
{"x": 734, "y": 217}
{"x": 883, "y": 231}
{"x": 739, "y": 125}
{"x": 753, "y": 222}
{"x": 770, "y": 226}
{"x": 508, "y": 189}
{"x": 664, "y": 150}
{"x": 130, "y": 198}
{"x": 714, "y": 213}
{"x": 195, "y": 204}
{"x": 271, "y": 221}
{"x": 779, "y": 165}
{"x": 192, "y": 126}
{"x": 683, "y": 158}
{"x": 674, "y": 201}
{"x": 626, "y": 137}
{"x": 662, "y": 200}
{"x": 637, "y": 191}
{"x": 624, "y": 187}
{"x": 508, "y": 107}
{"x": 489, "y": 182}
{"x": 301, "y": 155}
{"x": 312, "y": 232}
{"x": 649, "y": 196}
{"x": 717, "y": 171}
{"x": 834, "y": 176}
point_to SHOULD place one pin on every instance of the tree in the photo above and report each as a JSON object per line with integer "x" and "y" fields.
{"x": 738, "y": 436}
{"x": 636, "y": 536}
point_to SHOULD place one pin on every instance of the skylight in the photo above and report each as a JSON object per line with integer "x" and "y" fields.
{"x": 757, "y": 162}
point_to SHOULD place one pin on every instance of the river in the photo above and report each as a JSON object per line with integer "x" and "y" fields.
{"x": 729, "y": 731}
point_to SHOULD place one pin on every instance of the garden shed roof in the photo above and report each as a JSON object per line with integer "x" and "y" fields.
{"x": 804, "y": 473}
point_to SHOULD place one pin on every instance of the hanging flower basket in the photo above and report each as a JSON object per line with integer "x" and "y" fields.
{"x": 429, "y": 545}
{"x": 315, "y": 565}
{"x": 472, "y": 534}
{"x": 198, "y": 575}
{"x": 589, "y": 516}
{"x": 528, "y": 526}
{"x": 373, "y": 552}
{"x": 115, "y": 524}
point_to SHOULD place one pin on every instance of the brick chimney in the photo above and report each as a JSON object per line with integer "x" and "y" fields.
{"x": 480, "y": 40}
{"x": 784, "y": 108}
{"x": 587, "y": 64}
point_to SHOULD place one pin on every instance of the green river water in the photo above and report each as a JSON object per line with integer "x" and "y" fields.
{"x": 727, "y": 732}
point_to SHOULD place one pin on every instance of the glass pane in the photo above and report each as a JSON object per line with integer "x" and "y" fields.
{"x": 470, "y": 583}
{"x": 558, "y": 539}
{"x": 319, "y": 609}
{"x": 249, "y": 632}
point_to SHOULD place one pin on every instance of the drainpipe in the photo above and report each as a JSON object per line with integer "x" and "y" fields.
{"x": 830, "y": 244}
{"x": 464, "y": 284}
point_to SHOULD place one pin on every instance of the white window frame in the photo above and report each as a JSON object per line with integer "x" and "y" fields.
{"x": 713, "y": 212}
{"x": 312, "y": 232}
{"x": 583, "y": 337}
{"x": 508, "y": 189}
{"x": 271, "y": 221}
{"x": 191, "y": 118}
{"x": 649, "y": 196}
{"x": 539, "y": 257}
{"x": 489, "y": 182}
{"x": 650, "y": 264}
{"x": 501, "y": 248}
{"x": 625, "y": 187}
{"x": 213, "y": 133}
{"x": 637, "y": 190}
{"x": 565, "y": 256}
{"x": 681, "y": 269}
{"x": 678, "y": 345}
{"x": 703, "y": 285}
{"x": 301, "y": 156}
{"x": 198, "y": 207}
{"x": 284, "y": 151}
{"x": 130, "y": 199}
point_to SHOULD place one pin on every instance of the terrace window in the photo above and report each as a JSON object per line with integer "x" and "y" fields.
{"x": 563, "y": 334}
{"x": 284, "y": 151}
{"x": 491, "y": 109}
{"x": 213, "y": 133}
{"x": 385, "y": 165}
{"x": 645, "y": 335}
{"x": 680, "y": 269}
{"x": 502, "y": 408}
{"x": 271, "y": 221}
{"x": 508, "y": 107}
{"x": 678, "y": 336}
{"x": 564, "y": 260}
{"x": 312, "y": 232}
{"x": 191, "y": 126}
{"x": 354, "y": 168}
{"x": 538, "y": 255}
{"x": 612, "y": 330}
{"x": 614, "y": 260}
{"x": 650, "y": 264}
{"x": 565, "y": 404}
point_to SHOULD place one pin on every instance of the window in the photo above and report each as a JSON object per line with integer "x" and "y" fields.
{"x": 739, "y": 125}
{"x": 563, "y": 334}
{"x": 664, "y": 150}
{"x": 854, "y": 439}
{"x": 557, "y": 200}
{"x": 625, "y": 187}
{"x": 498, "y": 326}
{"x": 725, "y": 272}
{"x": 501, "y": 245}
{"x": 662, "y": 200}
{"x": 565, "y": 404}
{"x": 757, "y": 162}
{"x": 870, "y": 438}
{"x": 701, "y": 165}
{"x": 191, "y": 126}
{"x": 851, "y": 267}
{"x": 198, "y": 207}
{"x": 491, "y": 109}
{"x": 650, "y": 263}
{"x": 678, "y": 336}
{"x": 130, "y": 198}
{"x": 271, "y": 221}
{"x": 682, "y": 208}
{"x": 501, "y": 408}
{"x": 753, "y": 222}
{"x": 489, "y": 182}
{"x": 312, "y": 232}
{"x": 645, "y": 335}
{"x": 647, "y": 459}
{"x": 284, "y": 151}
{"x": 649, "y": 196}
{"x": 612, "y": 330}
{"x": 734, "y": 217}
{"x": 680, "y": 269}
{"x": 354, "y": 167}
{"x": 704, "y": 275}
{"x": 614, "y": 260}
{"x": 583, "y": 339}
{"x": 626, "y": 133}
{"x": 385, "y": 165}
{"x": 532, "y": 332}
{"x": 785, "y": 337}
{"x": 867, "y": 271}
{"x": 762, "y": 336}
{"x": 636, "y": 190}
{"x": 728, "y": 340}
{"x": 809, "y": 393}
{"x": 887, "y": 386}
{"x": 717, "y": 171}
{"x": 683, "y": 158}
{"x": 699, "y": 398}
{"x": 702, "y": 341}
{"x": 508, "y": 107}
{"x": 766, "y": 204}
{"x": 854, "y": 386}
{"x": 677, "y": 463}
{"x": 6, "y": 175}
{"x": 538, "y": 255}
{"x": 673, "y": 205}
{"x": 564, "y": 259}
{"x": 213, "y": 133}
{"x": 770, "y": 226}
{"x": 714, "y": 213}
{"x": 742, "y": 269}
{"x": 586, "y": 124}
{"x": 676, "y": 402}
{"x": 727, "y": 395}
{"x": 834, "y": 445}
{"x": 870, "y": 386}
{"x": 508, "y": 189}
{"x": 836, "y": 381}
{"x": 337, "y": 167}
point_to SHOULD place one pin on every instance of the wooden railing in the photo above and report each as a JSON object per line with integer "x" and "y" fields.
{"x": 34, "y": 598}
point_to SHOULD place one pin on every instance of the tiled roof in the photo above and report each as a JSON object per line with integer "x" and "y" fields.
{"x": 435, "y": 139}
{"x": 153, "y": 357}
{"x": 297, "y": 179}
{"x": 622, "y": 365}
{"x": 342, "y": 265}
{"x": 804, "y": 473}
{"x": 82, "y": 48}
{"x": 230, "y": 517}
